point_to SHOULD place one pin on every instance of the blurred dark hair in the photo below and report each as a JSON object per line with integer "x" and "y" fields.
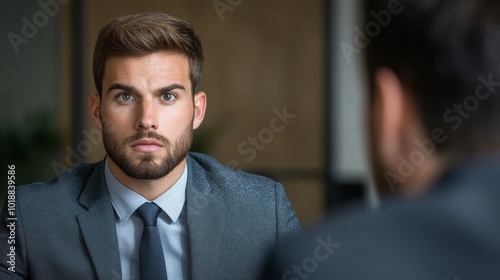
{"x": 439, "y": 49}
{"x": 146, "y": 33}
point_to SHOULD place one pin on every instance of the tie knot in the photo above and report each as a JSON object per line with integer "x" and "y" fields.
{"x": 149, "y": 212}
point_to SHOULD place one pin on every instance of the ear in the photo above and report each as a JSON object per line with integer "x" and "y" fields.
{"x": 390, "y": 107}
{"x": 200, "y": 106}
{"x": 95, "y": 110}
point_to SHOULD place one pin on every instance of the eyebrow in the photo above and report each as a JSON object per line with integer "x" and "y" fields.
{"x": 134, "y": 90}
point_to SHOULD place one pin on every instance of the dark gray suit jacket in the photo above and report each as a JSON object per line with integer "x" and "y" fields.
{"x": 65, "y": 229}
{"x": 451, "y": 233}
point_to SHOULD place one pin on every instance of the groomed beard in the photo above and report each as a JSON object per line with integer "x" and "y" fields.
{"x": 148, "y": 169}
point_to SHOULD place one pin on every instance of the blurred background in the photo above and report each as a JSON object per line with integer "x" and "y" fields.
{"x": 264, "y": 59}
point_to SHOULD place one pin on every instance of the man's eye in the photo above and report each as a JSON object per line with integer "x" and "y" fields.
{"x": 168, "y": 96}
{"x": 125, "y": 97}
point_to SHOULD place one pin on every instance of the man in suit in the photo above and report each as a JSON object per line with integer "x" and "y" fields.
{"x": 433, "y": 68}
{"x": 150, "y": 209}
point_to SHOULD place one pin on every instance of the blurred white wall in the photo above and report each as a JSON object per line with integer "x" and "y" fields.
{"x": 349, "y": 155}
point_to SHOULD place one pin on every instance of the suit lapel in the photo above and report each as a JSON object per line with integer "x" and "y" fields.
{"x": 98, "y": 226}
{"x": 205, "y": 216}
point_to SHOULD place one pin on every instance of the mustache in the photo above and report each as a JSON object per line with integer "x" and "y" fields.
{"x": 147, "y": 134}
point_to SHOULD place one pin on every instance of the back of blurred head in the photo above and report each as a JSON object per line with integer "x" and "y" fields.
{"x": 433, "y": 68}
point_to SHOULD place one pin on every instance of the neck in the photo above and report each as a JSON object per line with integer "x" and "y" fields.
{"x": 149, "y": 189}
{"x": 424, "y": 177}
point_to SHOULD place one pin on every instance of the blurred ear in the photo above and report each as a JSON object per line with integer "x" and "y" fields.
{"x": 95, "y": 110}
{"x": 390, "y": 107}
{"x": 200, "y": 106}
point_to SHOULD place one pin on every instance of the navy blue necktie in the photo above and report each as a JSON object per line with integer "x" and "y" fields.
{"x": 151, "y": 258}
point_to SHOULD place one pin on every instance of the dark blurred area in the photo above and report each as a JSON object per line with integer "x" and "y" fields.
{"x": 30, "y": 71}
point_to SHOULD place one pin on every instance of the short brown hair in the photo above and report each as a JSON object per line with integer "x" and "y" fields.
{"x": 146, "y": 33}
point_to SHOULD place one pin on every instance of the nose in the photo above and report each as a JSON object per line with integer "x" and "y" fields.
{"x": 147, "y": 116}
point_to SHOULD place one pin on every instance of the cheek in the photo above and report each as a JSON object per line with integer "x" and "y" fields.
{"x": 177, "y": 117}
{"x": 116, "y": 121}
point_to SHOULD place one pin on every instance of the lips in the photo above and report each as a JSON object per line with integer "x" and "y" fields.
{"x": 147, "y": 146}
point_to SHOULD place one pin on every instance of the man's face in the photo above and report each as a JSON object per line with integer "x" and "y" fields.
{"x": 147, "y": 113}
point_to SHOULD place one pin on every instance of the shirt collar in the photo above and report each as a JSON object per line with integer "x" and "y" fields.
{"x": 126, "y": 201}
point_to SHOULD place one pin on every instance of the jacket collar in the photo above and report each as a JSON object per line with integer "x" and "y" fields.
{"x": 205, "y": 218}
{"x": 97, "y": 225}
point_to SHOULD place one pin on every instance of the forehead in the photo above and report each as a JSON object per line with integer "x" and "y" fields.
{"x": 158, "y": 67}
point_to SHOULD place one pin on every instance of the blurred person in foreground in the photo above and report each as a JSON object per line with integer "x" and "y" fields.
{"x": 434, "y": 118}
{"x": 150, "y": 209}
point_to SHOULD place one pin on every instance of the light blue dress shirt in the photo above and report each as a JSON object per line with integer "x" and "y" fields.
{"x": 172, "y": 225}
